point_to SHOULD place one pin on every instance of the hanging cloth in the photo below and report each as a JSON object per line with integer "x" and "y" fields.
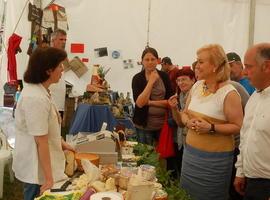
{"x": 13, "y": 48}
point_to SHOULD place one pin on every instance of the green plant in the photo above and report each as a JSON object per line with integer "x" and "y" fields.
{"x": 100, "y": 72}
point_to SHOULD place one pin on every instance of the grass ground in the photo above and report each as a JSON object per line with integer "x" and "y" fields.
{"x": 12, "y": 191}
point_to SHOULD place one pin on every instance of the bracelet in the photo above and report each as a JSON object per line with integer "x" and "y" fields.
{"x": 212, "y": 129}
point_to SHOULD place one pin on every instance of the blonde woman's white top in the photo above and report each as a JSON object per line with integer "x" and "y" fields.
{"x": 211, "y": 105}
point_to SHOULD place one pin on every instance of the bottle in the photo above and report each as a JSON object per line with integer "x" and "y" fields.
{"x": 95, "y": 77}
{"x": 18, "y": 93}
{"x": 16, "y": 98}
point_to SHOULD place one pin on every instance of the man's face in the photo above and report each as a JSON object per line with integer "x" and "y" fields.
{"x": 236, "y": 70}
{"x": 253, "y": 70}
{"x": 165, "y": 67}
{"x": 60, "y": 41}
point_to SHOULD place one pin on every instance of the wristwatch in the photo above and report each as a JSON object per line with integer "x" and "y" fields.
{"x": 212, "y": 129}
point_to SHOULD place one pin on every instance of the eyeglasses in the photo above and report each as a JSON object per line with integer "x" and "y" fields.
{"x": 183, "y": 79}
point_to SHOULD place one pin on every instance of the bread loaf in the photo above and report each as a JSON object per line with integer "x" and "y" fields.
{"x": 70, "y": 163}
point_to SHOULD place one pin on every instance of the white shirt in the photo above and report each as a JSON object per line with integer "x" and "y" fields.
{"x": 58, "y": 93}
{"x": 36, "y": 115}
{"x": 254, "y": 158}
{"x": 211, "y": 105}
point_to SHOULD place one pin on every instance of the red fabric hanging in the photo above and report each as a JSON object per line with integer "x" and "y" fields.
{"x": 13, "y": 47}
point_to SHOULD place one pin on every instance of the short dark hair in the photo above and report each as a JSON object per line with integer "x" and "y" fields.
{"x": 57, "y": 32}
{"x": 262, "y": 54}
{"x": 166, "y": 60}
{"x": 150, "y": 50}
{"x": 41, "y": 60}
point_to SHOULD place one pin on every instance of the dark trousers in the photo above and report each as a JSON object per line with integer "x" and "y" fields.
{"x": 234, "y": 195}
{"x": 174, "y": 164}
{"x": 257, "y": 189}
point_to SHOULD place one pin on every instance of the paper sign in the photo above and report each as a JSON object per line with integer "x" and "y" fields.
{"x": 77, "y": 48}
{"x": 85, "y": 60}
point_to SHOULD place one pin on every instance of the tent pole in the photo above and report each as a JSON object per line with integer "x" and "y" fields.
{"x": 148, "y": 23}
{"x": 252, "y": 14}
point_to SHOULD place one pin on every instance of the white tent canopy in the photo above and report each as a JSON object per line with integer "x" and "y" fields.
{"x": 177, "y": 29}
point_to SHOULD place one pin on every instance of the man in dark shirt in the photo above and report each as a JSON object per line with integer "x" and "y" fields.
{"x": 171, "y": 69}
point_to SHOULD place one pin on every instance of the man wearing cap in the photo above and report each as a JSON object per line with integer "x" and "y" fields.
{"x": 237, "y": 71}
{"x": 253, "y": 163}
{"x": 171, "y": 69}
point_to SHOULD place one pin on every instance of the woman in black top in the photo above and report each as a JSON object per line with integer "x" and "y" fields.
{"x": 151, "y": 89}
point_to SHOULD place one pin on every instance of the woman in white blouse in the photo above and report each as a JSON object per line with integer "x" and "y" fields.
{"x": 213, "y": 114}
{"x": 38, "y": 158}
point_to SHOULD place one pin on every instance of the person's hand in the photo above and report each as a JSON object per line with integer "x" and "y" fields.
{"x": 46, "y": 186}
{"x": 190, "y": 124}
{"x": 153, "y": 77}
{"x": 66, "y": 146}
{"x": 172, "y": 101}
{"x": 202, "y": 126}
{"x": 240, "y": 184}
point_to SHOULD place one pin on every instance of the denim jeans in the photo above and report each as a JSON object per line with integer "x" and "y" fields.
{"x": 147, "y": 136}
{"x": 30, "y": 191}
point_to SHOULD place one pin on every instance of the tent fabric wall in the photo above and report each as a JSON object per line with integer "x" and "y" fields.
{"x": 262, "y": 23}
{"x": 177, "y": 29}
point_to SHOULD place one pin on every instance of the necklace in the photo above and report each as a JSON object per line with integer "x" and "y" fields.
{"x": 205, "y": 90}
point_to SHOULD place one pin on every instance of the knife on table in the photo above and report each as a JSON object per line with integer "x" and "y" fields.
{"x": 67, "y": 183}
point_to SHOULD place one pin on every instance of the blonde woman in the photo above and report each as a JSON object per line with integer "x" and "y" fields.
{"x": 213, "y": 114}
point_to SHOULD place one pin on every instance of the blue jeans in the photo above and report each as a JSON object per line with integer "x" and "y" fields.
{"x": 146, "y": 136}
{"x": 30, "y": 191}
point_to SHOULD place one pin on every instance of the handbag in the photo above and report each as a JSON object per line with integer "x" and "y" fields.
{"x": 165, "y": 146}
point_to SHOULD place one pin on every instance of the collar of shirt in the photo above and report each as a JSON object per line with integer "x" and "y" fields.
{"x": 265, "y": 91}
{"x": 46, "y": 92}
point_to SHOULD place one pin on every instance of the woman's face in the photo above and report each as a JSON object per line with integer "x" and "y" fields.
{"x": 184, "y": 83}
{"x": 204, "y": 67}
{"x": 56, "y": 74}
{"x": 149, "y": 62}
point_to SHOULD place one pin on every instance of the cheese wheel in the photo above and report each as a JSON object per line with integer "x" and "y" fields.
{"x": 93, "y": 158}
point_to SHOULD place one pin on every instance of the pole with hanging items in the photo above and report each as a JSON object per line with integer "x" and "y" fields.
{"x": 148, "y": 22}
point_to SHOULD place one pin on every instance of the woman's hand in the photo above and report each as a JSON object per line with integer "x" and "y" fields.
{"x": 202, "y": 126}
{"x": 153, "y": 77}
{"x": 46, "y": 186}
{"x": 190, "y": 124}
{"x": 172, "y": 101}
